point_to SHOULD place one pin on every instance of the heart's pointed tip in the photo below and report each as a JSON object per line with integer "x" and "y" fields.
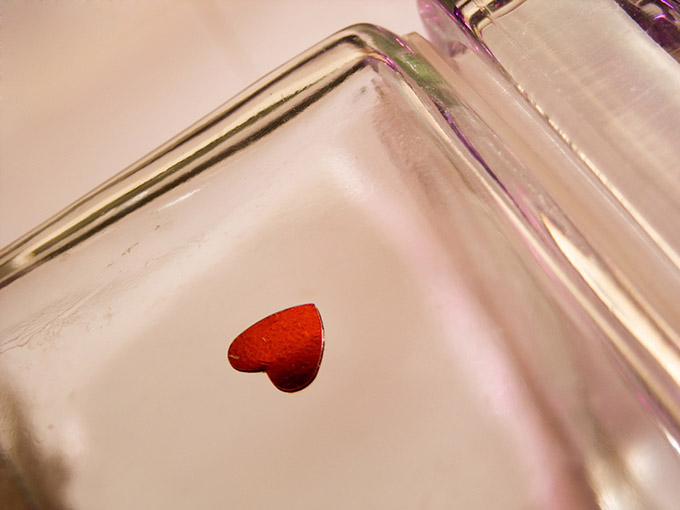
{"x": 293, "y": 388}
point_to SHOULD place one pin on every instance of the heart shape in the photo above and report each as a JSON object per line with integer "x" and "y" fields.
{"x": 287, "y": 346}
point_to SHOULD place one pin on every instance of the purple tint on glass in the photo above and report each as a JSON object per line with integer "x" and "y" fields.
{"x": 659, "y": 18}
{"x": 404, "y": 45}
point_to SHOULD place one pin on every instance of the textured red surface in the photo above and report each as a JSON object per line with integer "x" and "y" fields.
{"x": 287, "y": 345}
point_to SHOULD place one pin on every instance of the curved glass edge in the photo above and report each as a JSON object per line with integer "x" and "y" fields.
{"x": 229, "y": 129}
{"x": 643, "y": 275}
{"x": 599, "y": 82}
{"x": 658, "y": 18}
{"x": 605, "y": 87}
{"x": 562, "y": 252}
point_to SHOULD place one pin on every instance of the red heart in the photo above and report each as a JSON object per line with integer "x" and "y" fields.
{"x": 287, "y": 345}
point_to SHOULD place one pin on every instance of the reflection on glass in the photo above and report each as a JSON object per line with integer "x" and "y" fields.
{"x": 483, "y": 347}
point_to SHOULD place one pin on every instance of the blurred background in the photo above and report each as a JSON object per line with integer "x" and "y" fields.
{"x": 87, "y": 88}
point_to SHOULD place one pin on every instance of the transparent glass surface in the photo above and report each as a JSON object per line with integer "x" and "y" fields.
{"x": 589, "y": 106}
{"x": 468, "y": 362}
{"x": 659, "y": 18}
{"x": 600, "y": 82}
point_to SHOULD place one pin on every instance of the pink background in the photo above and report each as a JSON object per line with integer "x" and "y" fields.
{"x": 86, "y": 88}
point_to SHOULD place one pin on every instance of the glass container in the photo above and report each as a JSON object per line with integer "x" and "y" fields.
{"x": 487, "y": 223}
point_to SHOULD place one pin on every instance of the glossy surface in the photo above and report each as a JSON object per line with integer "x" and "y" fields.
{"x": 659, "y": 18}
{"x": 468, "y": 364}
{"x": 101, "y": 84}
{"x": 287, "y": 346}
{"x": 590, "y": 107}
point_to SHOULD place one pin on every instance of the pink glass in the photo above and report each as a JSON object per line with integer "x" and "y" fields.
{"x": 499, "y": 298}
